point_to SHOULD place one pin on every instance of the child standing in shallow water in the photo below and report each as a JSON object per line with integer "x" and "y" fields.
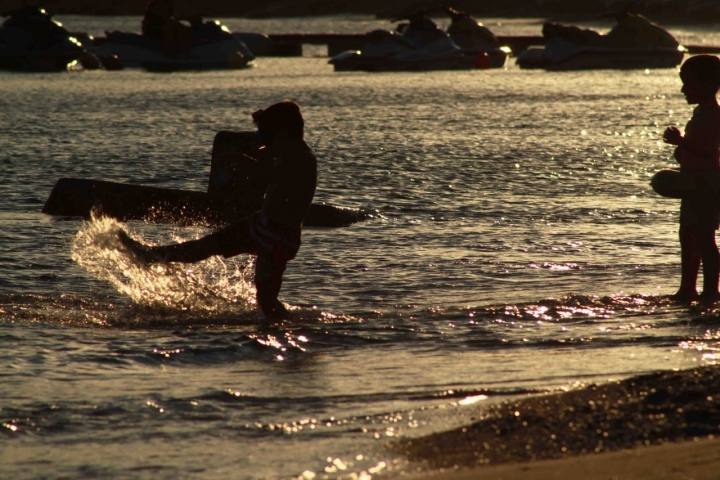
{"x": 698, "y": 153}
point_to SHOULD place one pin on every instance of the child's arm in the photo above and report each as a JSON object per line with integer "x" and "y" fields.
{"x": 690, "y": 154}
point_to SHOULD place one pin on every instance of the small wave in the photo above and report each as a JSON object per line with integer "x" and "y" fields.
{"x": 52, "y": 309}
{"x": 211, "y": 286}
{"x": 578, "y": 308}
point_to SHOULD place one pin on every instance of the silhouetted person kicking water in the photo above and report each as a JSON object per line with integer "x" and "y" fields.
{"x": 698, "y": 154}
{"x": 273, "y": 233}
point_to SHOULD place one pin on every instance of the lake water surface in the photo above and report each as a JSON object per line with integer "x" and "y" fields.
{"x": 519, "y": 250}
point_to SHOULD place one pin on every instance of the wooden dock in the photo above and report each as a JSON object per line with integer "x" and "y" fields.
{"x": 291, "y": 44}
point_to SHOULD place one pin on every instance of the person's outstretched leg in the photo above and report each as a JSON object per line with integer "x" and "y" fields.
{"x": 710, "y": 263}
{"x": 229, "y": 241}
{"x": 690, "y": 264}
{"x": 186, "y": 252}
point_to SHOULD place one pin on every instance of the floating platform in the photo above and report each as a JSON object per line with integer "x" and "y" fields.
{"x": 74, "y": 197}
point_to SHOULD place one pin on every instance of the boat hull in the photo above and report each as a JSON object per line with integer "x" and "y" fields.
{"x": 212, "y": 48}
{"x": 357, "y": 62}
{"x": 605, "y": 58}
{"x": 37, "y": 63}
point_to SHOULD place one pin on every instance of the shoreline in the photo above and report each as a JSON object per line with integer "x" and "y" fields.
{"x": 632, "y": 427}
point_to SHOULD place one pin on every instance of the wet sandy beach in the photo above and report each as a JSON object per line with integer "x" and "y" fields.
{"x": 687, "y": 460}
{"x": 661, "y": 425}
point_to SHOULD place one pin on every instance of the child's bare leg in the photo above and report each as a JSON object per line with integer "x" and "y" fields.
{"x": 690, "y": 264}
{"x": 710, "y": 263}
{"x": 268, "y": 280}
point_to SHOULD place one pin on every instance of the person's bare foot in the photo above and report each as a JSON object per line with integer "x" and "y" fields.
{"x": 709, "y": 297}
{"x": 684, "y": 297}
{"x": 275, "y": 311}
{"x": 141, "y": 251}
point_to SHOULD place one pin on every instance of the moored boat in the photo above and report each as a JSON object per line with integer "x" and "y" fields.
{"x": 31, "y": 40}
{"x": 634, "y": 43}
{"x": 418, "y": 46}
{"x": 213, "y": 47}
{"x": 476, "y": 40}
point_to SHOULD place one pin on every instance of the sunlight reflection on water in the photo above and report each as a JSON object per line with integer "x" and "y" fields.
{"x": 214, "y": 285}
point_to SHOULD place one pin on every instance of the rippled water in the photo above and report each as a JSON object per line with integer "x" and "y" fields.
{"x": 520, "y": 250}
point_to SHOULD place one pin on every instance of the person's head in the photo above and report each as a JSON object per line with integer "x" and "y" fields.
{"x": 701, "y": 78}
{"x": 281, "y": 119}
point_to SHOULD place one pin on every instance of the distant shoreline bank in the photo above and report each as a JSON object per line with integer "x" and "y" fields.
{"x": 561, "y": 10}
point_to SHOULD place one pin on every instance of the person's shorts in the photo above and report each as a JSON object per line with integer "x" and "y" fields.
{"x": 258, "y": 235}
{"x": 700, "y": 204}
{"x": 701, "y": 213}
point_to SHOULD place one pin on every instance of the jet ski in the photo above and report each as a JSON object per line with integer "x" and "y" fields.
{"x": 634, "y": 43}
{"x": 31, "y": 40}
{"x": 418, "y": 45}
{"x": 213, "y": 47}
{"x": 258, "y": 43}
{"x": 475, "y": 39}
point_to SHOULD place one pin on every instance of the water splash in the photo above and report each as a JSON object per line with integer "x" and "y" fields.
{"x": 214, "y": 285}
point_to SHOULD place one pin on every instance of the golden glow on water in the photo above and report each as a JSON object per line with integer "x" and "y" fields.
{"x": 10, "y": 427}
{"x": 472, "y": 400}
{"x": 336, "y": 467}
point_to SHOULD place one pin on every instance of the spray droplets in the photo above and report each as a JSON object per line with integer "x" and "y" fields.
{"x": 213, "y": 285}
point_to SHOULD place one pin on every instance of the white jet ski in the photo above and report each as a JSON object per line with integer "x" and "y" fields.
{"x": 420, "y": 46}
{"x": 31, "y": 40}
{"x": 475, "y": 39}
{"x": 213, "y": 47}
{"x": 634, "y": 43}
